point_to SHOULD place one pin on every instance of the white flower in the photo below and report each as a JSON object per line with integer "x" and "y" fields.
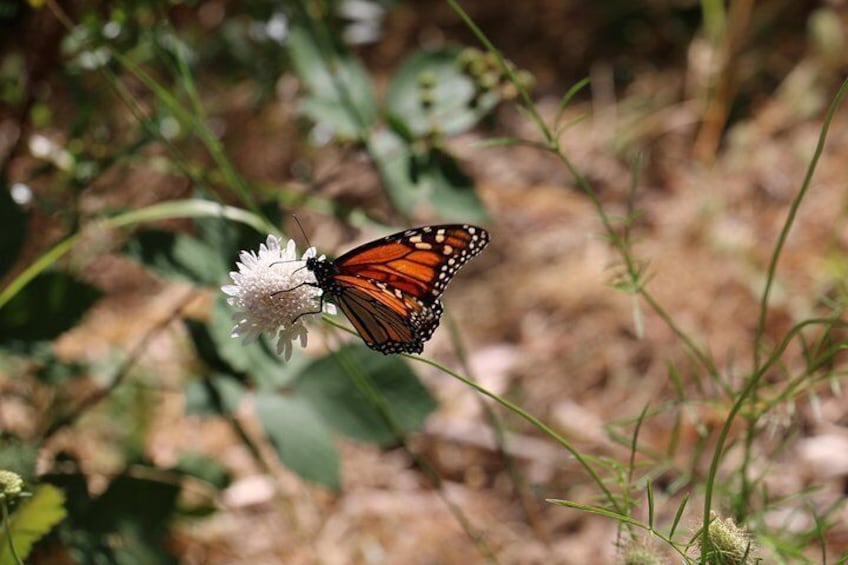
{"x": 272, "y": 294}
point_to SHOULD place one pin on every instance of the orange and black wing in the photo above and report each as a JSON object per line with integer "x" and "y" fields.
{"x": 418, "y": 262}
{"x": 388, "y": 319}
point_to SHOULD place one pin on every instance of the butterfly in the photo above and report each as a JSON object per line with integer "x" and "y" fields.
{"x": 389, "y": 288}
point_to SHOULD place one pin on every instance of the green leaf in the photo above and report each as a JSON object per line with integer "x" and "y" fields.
{"x": 328, "y": 387}
{"x": 453, "y": 191}
{"x": 454, "y": 105}
{"x": 178, "y": 256}
{"x": 35, "y": 517}
{"x": 300, "y": 436}
{"x": 13, "y": 220}
{"x": 341, "y": 96}
{"x": 432, "y": 178}
{"x": 393, "y": 155}
{"x": 48, "y": 306}
{"x": 205, "y": 258}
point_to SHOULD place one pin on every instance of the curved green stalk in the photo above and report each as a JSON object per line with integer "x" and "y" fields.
{"x": 163, "y": 211}
{"x": 541, "y": 426}
{"x": 8, "y": 530}
{"x": 790, "y": 219}
{"x": 538, "y": 424}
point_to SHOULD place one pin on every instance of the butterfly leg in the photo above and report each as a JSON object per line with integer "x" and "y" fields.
{"x": 318, "y": 311}
{"x": 294, "y": 288}
{"x": 320, "y": 303}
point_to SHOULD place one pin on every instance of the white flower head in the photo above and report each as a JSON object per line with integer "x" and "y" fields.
{"x": 274, "y": 293}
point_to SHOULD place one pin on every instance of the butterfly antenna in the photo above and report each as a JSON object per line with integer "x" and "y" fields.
{"x": 297, "y": 221}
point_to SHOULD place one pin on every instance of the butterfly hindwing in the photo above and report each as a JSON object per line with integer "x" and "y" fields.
{"x": 389, "y": 321}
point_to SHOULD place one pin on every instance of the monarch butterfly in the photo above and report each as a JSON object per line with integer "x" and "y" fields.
{"x": 389, "y": 288}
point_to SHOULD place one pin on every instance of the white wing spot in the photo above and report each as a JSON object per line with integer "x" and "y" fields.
{"x": 447, "y": 250}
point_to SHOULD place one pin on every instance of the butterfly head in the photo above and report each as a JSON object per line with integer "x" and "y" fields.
{"x": 323, "y": 271}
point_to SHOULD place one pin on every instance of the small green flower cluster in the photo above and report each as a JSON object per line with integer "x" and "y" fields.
{"x": 489, "y": 75}
{"x": 11, "y": 485}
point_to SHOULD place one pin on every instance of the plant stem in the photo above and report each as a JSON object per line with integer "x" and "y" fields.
{"x": 8, "y": 529}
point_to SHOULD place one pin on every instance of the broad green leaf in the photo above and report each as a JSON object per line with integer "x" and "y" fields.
{"x": 393, "y": 155}
{"x": 454, "y": 106}
{"x": 13, "y": 220}
{"x": 431, "y": 179}
{"x": 341, "y": 96}
{"x": 330, "y": 390}
{"x": 33, "y": 519}
{"x": 453, "y": 191}
{"x": 300, "y": 436}
{"x": 48, "y": 306}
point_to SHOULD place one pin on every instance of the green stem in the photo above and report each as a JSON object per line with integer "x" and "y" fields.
{"x": 750, "y": 386}
{"x": 790, "y": 219}
{"x": 507, "y": 69}
{"x": 541, "y": 426}
{"x": 8, "y": 529}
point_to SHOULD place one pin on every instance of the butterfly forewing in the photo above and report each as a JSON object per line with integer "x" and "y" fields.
{"x": 389, "y": 288}
{"x": 420, "y": 262}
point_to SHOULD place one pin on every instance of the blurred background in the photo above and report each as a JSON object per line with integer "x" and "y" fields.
{"x": 619, "y": 305}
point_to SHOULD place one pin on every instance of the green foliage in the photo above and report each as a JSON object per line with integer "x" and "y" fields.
{"x": 430, "y": 94}
{"x": 18, "y": 456}
{"x": 213, "y": 395}
{"x": 204, "y": 259}
{"x": 257, "y": 360}
{"x": 49, "y": 306}
{"x": 177, "y": 256}
{"x": 125, "y": 524}
{"x": 419, "y": 176}
{"x": 204, "y": 468}
{"x": 31, "y": 521}
{"x": 140, "y": 88}
{"x": 13, "y": 220}
{"x": 327, "y": 386}
{"x": 340, "y": 95}
{"x": 300, "y": 436}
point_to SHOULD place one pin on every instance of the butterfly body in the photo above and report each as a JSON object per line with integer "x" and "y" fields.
{"x": 389, "y": 288}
